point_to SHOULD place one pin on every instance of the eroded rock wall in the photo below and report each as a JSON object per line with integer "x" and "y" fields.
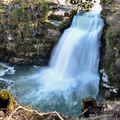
{"x": 110, "y": 55}
{"x": 29, "y": 30}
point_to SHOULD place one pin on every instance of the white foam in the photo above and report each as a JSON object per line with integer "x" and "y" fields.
{"x": 6, "y": 69}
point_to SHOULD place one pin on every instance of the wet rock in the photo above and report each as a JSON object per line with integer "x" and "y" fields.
{"x": 87, "y": 105}
{"x": 110, "y": 54}
{"x": 90, "y": 107}
{"x": 5, "y": 84}
{"x": 118, "y": 65}
{"x": 53, "y": 33}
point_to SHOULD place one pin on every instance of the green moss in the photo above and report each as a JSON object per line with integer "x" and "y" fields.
{"x": 44, "y": 8}
{"x": 111, "y": 35}
{"x": 23, "y": 15}
{"x": 107, "y": 67}
{"x": 4, "y": 95}
{"x": 105, "y": 13}
{"x": 56, "y": 17}
{"x": 7, "y": 100}
{"x": 50, "y": 25}
{"x": 106, "y": 1}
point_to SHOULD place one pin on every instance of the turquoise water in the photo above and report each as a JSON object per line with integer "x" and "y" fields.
{"x": 22, "y": 86}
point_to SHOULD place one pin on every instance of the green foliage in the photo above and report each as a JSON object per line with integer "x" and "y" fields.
{"x": 107, "y": 66}
{"x": 87, "y": 5}
{"x": 6, "y": 95}
{"x": 49, "y": 25}
{"x": 23, "y": 16}
{"x": 111, "y": 35}
{"x": 106, "y": 1}
{"x": 56, "y": 17}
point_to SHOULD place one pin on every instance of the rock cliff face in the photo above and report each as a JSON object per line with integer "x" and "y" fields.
{"x": 28, "y": 31}
{"x": 110, "y": 54}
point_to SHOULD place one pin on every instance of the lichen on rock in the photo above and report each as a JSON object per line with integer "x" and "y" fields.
{"x": 7, "y": 101}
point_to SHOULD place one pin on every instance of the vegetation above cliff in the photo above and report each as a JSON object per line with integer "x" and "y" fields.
{"x": 14, "y": 17}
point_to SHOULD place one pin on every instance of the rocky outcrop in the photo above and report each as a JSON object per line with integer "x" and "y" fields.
{"x": 29, "y": 30}
{"x": 7, "y": 101}
{"x": 111, "y": 112}
{"x": 110, "y": 55}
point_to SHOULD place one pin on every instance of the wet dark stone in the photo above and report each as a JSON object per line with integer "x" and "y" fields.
{"x": 4, "y": 84}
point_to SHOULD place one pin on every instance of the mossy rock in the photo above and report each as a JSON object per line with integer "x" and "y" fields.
{"x": 7, "y": 100}
{"x": 106, "y": 1}
{"x": 50, "y": 25}
{"x": 87, "y": 5}
{"x": 56, "y": 17}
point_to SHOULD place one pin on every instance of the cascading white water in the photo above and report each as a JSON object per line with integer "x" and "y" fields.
{"x": 5, "y": 69}
{"x": 72, "y": 72}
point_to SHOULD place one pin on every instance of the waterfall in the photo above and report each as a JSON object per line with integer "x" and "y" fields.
{"x": 72, "y": 72}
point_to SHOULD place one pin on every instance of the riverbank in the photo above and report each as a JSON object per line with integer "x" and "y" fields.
{"x": 111, "y": 112}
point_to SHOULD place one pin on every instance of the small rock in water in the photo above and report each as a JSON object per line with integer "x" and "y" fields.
{"x": 5, "y": 84}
